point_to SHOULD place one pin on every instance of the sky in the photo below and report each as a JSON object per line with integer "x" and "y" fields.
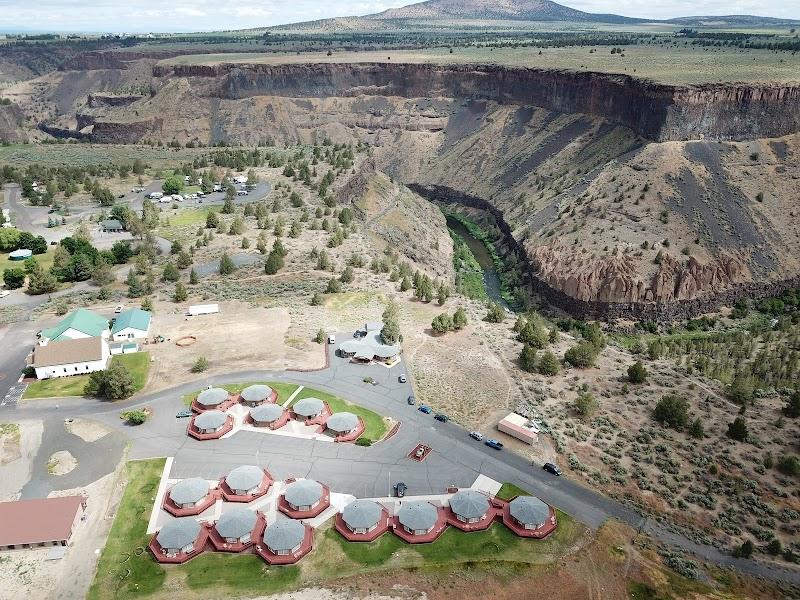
{"x": 205, "y": 15}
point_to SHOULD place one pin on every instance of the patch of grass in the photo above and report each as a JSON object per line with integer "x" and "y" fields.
{"x": 51, "y": 466}
{"x": 10, "y": 430}
{"x": 284, "y": 390}
{"x": 56, "y": 388}
{"x": 374, "y": 424}
{"x": 190, "y": 216}
{"x": 242, "y": 573}
{"x": 509, "y": 491}
{"x": 138, "y": 363}
{"x": 121, "y": 571}
{"x": 345, "y": 300}
{"x": 45, "y": 261}
{"x": 497, "y": 543}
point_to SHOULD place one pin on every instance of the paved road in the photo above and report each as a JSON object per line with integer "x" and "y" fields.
{"x": 364, "y": 472}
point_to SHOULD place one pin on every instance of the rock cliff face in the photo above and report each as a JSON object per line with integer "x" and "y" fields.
{"x": 11, "y": 119}
{"x": 655, "y": 111}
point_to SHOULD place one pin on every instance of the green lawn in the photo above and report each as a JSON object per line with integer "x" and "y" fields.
{"x": 284, "y": 390}
{"x": 126, "y": 569}
{"x": 183, "y": 222}
{"x": 375, "y": 425}
{"x": 44, "y": 260}
{"x": 246, "y": 574}
{"x": 138, "y": 363}
{"x": 509, "y": 491}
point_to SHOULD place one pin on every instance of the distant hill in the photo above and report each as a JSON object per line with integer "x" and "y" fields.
{"x": 443, "y": 12}
{"x": 496, "y": 10}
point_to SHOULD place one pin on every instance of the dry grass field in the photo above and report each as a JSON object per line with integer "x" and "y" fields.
{"x": 672, "y": 65}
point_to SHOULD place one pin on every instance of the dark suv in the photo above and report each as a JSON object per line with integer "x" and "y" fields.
{"x": 551, "y": 468}
{"x": 400, "y": 489}
{"x": 441, "y": 417}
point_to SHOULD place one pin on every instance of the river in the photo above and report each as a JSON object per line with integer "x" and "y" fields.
{"x": 491, "y": 281}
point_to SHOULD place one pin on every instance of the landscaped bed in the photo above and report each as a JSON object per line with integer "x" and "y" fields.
{"x": 137, "y": 363}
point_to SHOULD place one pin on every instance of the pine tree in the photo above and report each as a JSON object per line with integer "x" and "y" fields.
{"x": 180, "y": 294}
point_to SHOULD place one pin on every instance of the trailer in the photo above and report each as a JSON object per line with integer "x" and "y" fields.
{"x": 202, "y": 309}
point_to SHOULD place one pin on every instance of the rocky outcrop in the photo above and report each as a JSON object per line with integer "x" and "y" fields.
{"x": 11, "y": 122}
{"x": 111, "y": 100}
{"x": 655, "y": 111}
{"x": 112, "y": 132}
{"x": 617, "y": 279}
{"x": 612, "y": 289}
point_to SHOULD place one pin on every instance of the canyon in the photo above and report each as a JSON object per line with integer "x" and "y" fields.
{"x": 625, "y": 198}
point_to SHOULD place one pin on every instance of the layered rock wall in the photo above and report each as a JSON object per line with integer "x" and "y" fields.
{"x": 655, "y": 111}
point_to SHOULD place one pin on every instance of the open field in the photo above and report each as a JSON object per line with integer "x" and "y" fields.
{"x": 138, "y": 363}
{"x": 375, "y": 425}
{"x": 672, "y": 65}
{"x": 74, "y": 154}
{"x": 45, "y": 261}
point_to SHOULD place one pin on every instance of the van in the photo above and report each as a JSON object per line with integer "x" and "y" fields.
{"x": 331, "y": 339}
{"x": 155, "y": 195}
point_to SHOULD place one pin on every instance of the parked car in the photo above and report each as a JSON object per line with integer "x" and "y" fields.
{"x": 420, "y": 452}
{"x": 400, "y": 489}
{"x": 331, "y": 339}
{"x": 494, "y": 444}
{"x": 242, "y": 193}
{"x": 4, "y": 293}
{"x": 476, "y": 435}
{"x": 425, "y": 409}
{"x": 441, "y": 417}
{"x": 119, "y": 309}
{"x": 51, "y": 211}
{"x": 551, "y": 468}
{"x": 402, "y": 378}
{"x": 412, "y": 401}
{"x": 182, "y": 414}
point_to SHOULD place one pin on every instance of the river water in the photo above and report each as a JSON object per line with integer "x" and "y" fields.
{"x": 491, "y": 281}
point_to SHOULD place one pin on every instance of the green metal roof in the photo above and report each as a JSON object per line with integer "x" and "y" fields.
{"x": 81, "y": 320}
{"x": 134, "y": 317}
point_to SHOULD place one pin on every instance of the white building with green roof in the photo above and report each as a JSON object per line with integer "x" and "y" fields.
{"x": 79, "y": 324}
{"x": 132, "y": 324}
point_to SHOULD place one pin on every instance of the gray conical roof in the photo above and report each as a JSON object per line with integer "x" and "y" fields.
{"x": 283, "y": 535}
{"x": 256, "y": 393}
{"x": 236, "y": 522}
{"x": 308, "y": 407}
{"x": 529, "y": 510}
{"x": 245, "y": 477}
{"x": 342, "y": 422}
{"x": 212, "y": 419}
{"x": 418, "y": 515}
{"x": 305, "y": 492}
{"x": 212, "y": 397}
{"x": 362, "y": 514}
{"x": 266, "y": 413}
{"x": 469, "y": 504}
{"x": 178, "y": 533}
{"x": 189, "y": 491}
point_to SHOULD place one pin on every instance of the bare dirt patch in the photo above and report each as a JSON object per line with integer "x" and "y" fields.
{"x": 88, "y": 431}
{"x": 228, "y": 341}
{"x": 61, "y": 463}
{"x": 9, "y": 443}
{"x": 17, "y": 470}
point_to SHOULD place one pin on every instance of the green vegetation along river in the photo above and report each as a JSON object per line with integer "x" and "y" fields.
{"x": 491, "y": 280}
